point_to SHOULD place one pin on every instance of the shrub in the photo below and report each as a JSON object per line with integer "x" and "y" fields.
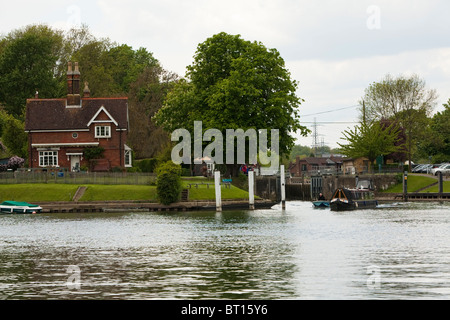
{"x": 91, "y": 153}
{"x": 185, "y": 172}
{"x": 15, "y": 163}
{"x": 146, "y": 165}
{"x": 168, "y": 182}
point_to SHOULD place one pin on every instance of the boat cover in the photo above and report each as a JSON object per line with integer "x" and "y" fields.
{"x": 18, "y": 204}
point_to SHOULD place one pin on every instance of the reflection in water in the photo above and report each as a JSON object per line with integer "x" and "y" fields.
{"x": 399, "y": 251}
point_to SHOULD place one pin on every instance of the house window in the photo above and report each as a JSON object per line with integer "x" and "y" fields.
{"x": 127, "y": 158}
{"x": 48, "y": 158}
{"x": 103, "y": 132}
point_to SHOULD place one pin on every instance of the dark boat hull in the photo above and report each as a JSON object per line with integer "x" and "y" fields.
{"x": 353, "y": 205}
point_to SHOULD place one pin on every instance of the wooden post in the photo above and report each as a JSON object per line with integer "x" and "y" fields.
{"x": 251, "y": 190}
{"x": 441, "y": 183}
{"x": 218, "y": 191}
{"x": 283, "y": 186}
{"x": 405, "y": 186}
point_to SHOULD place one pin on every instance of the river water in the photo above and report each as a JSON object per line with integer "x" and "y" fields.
{"x": 398, "y": 251}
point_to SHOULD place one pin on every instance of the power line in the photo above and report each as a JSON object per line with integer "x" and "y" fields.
{"x": 329, "y": 111}
{"x": 330, "y": 122}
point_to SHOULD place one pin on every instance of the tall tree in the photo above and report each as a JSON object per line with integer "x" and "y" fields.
{"x": 235, "y": 84}
{"x": 146, "y": 97}
{"x": 403, "y": 99}
{"x": 437, "y": 144}
{"x": 28, "y": 63}
{"x": 370, "y": 140}
{"x": 14, "y": 137}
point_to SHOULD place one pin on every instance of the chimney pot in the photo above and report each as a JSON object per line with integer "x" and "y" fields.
{"x": 86, "y": 91}
{"x": 76, "y": 71}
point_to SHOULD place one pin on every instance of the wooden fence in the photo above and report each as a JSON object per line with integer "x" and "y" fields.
{"x": 77, "y": 177}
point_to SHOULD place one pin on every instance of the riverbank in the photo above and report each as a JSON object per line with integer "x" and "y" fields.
{"x": 143, "y": 206}
{"x": 199, "y": 195}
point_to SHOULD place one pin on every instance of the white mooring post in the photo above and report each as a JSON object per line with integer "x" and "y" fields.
{"x": 218, "y": 191}
{"x": 251, "y": 190}
{"x": 283, "y": 186}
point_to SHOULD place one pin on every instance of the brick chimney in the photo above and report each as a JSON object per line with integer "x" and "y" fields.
{"x": 73, "y": 85}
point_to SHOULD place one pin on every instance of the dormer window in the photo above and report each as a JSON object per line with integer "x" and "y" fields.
{"x": 103, "y": 131}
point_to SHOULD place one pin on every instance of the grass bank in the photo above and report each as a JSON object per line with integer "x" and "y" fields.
{"x": 119, "y": 192}
{"x": 37, "y": 192}
{"x": 416, "y": 183}
{"x": 99, "y": 192}
{"x": 203, "y": 189}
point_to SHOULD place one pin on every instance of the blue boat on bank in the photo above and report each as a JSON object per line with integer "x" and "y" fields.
{"x": 15, "y": 207}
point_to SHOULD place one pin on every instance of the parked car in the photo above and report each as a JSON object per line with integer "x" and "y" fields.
{"x": 422, "y": 168}
{"x": 427, "y": 168}
{"x": 444, "y": 168}
{"x": 417, "y": 168}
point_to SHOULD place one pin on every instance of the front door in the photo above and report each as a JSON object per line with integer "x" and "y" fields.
{"x": 75, "y": 163}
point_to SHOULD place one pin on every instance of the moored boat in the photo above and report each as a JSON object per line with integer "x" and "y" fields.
{"x": 321, "y": 204}
{"x": 12, "y": 207}
{"x": 352, "y": 199}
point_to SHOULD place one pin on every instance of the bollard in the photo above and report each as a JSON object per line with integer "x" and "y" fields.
{"x": 441, "y": 183}
{"x": 218, "y": 191}
{"x": 251, "y": 190}
{"x": 283, "y": 186}
{"x": 405, "y": 186}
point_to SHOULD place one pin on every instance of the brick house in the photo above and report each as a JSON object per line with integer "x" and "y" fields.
{"x": 315, "y": 165}
{"x": 60, "y": 130}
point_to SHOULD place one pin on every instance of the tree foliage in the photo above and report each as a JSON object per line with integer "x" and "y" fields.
{"x": 437, "y": 144}
{"x": 235, "y": 84}
{"x": 371, "y": 140}
{"x": 35, "y": 58}
{"x": 147, "y": 94}
{"x": 14, "y": 137}
{"x": 28, "y": 63}
{"x": 402, "y": 99}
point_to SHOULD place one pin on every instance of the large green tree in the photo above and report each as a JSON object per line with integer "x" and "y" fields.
{"x": 28, "y": 63}
{"x": 405, "y": 100}
{"x": 235, "y": 84}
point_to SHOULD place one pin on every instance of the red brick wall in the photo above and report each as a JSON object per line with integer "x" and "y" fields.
{"x": 114, "y": 146}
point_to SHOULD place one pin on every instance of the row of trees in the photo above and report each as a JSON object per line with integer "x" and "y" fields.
{"x": 231, "y": 84}
{"x": 35, "y": 58}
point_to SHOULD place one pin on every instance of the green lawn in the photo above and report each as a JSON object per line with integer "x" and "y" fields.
{"x": 436, "y": 188}
{"x": 205, "y": 192}
{"x": 119, "y": 192}
{"x": 415, "y": 183}
{"x": 37, "y": 192}
{"x": 65, "y": 192}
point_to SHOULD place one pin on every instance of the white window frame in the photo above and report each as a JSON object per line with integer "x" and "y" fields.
{"x": 128, "y": 161}
{"x": 105, "y": 134}
{"x": 48, "y": 159}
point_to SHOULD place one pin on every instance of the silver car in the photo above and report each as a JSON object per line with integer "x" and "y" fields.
{"x": 445, "y": 169}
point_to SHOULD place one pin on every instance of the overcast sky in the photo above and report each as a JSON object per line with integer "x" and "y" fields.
{"x": 334, "y": 49}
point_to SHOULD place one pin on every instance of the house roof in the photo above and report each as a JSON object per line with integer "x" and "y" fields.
{"x": 52, "y": 114}
{"x": 322, "y": 161}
